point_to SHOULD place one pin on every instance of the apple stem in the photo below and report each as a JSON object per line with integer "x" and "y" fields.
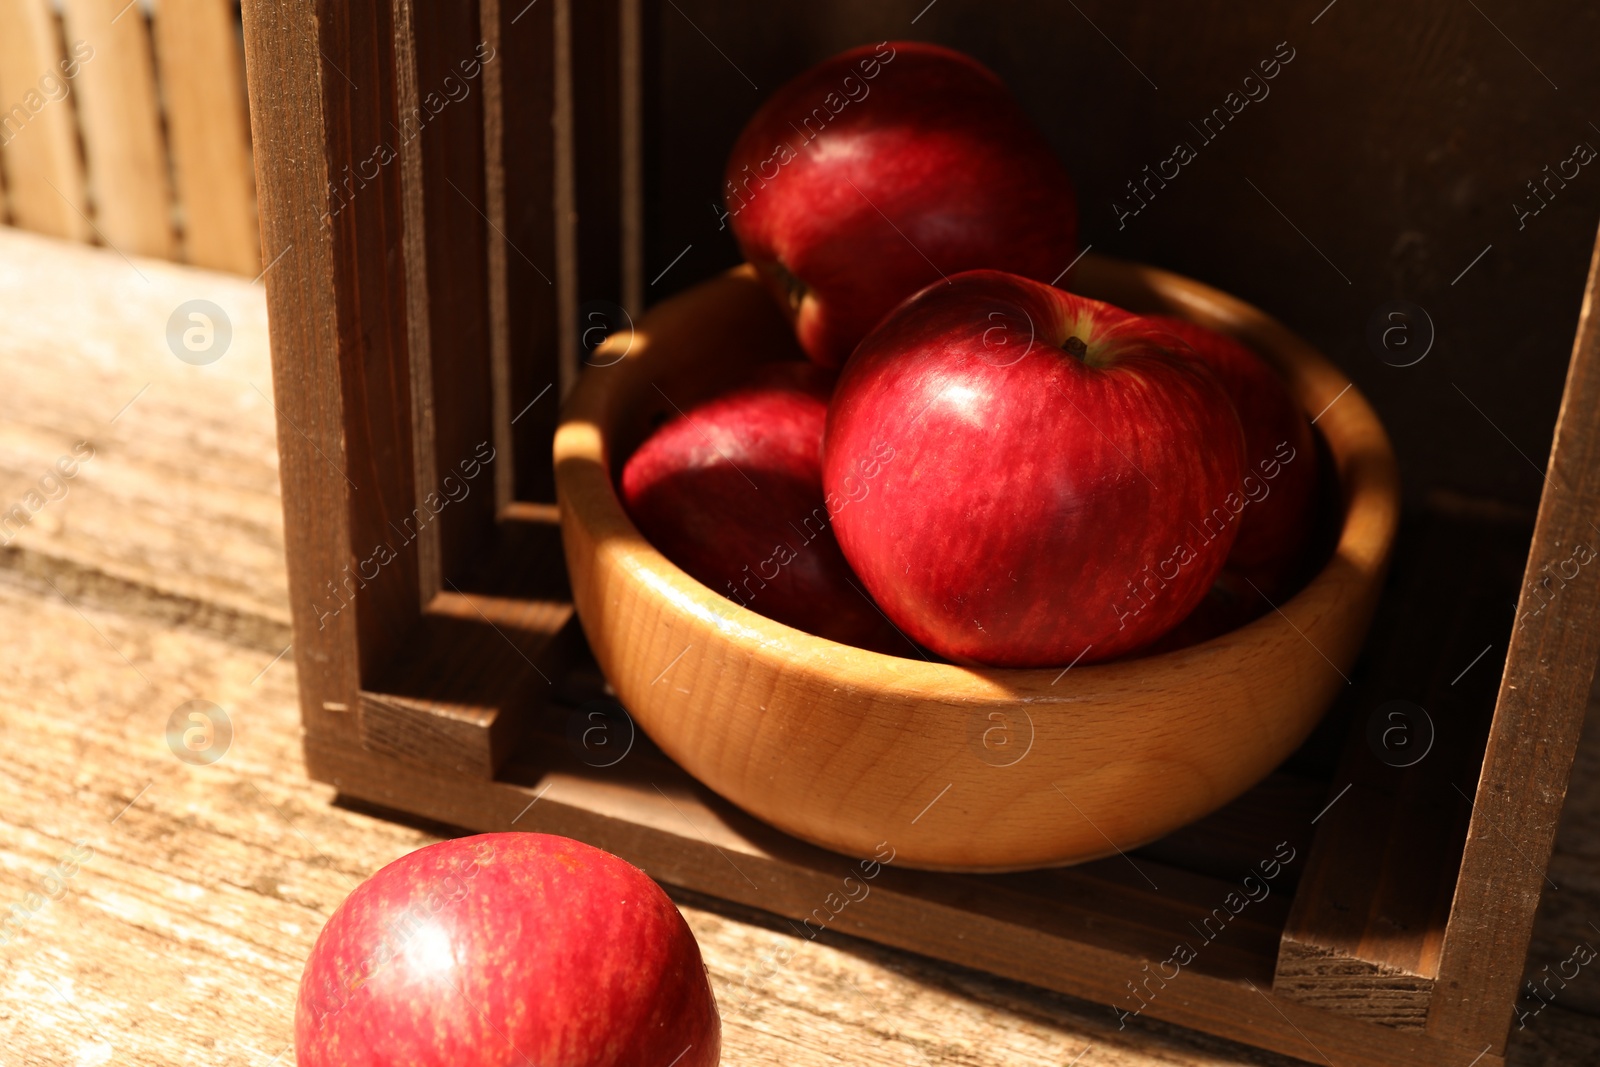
{"x": 1075, "y": 345}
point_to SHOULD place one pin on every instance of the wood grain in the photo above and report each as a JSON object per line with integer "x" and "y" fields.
{"x": 564, "y": 172}
{"x": 202, "y": 84}
{"x": 520, "y": 152}
{"x": 1369, "y": 918}
{"x": 182, "y": 938}
{"x": 844, "y": 747}
{"x": 415, "y": 266}
{"x": 1084, "y": 932}
{"x": 498, "y": 294}
{"x": 440, "y": 59}
{"x": 1548, "y": 671}
{"x": 44, "y": 181}
{"x": 119, "y": 116}
{"x": 148, "y": 416}
{"x": 584, "y": 110}
{"x": 331, "y": 228}
{"x": 484, "y": 658}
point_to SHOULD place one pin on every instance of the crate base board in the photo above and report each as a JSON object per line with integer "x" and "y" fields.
{"x": 1320, "y": 977}
{"x": 1070, "y": 930}
{"x": 1369, "y": 917}
{"x": 1338, "y": 963}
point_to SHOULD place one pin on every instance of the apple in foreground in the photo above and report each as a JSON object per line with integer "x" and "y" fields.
{"x": 1279, "y": 486}
{"x": 883, "y": 169}
{"x": 501, "y": 950}
{"x": 1058, "y": 479}
{"x": 731, "y": 491}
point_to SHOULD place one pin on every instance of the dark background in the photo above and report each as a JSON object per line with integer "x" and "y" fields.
{"x": 1397, "y": 140}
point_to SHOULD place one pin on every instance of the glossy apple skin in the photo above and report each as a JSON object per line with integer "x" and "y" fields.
{"x": 1280, "y": 478}
{"x": 501, "y": 950}
{"x": 848, "y": 203}
{"x": 1036, "y": 506}
{"x": 732, "y": 493}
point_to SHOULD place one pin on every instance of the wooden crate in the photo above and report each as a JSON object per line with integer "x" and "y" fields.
{"x": 452, "y": 197}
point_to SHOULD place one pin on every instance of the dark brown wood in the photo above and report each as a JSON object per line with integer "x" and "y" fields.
{"x": 519, "y": 105}
{"x": 1088, "y": 931}
{"x": 1369, "y": 916}
{"x": 631, "y": 31}
{"x": 1230, "y": 842}
{"x": 598, "y": 148}
{"x": 499, "y": 296}
{"x": 426, "y": 308}
{"x": 370, "y": 286}
{"x": 1543, "y": 692}
{"x": 336, "y": 301}
{"x": 565, "y": 167}
{"x": 440, "y": 61}
{"x": 422, "y": 531}
{"x": 484, "y": 657}
{"x": 1431, "y": 187}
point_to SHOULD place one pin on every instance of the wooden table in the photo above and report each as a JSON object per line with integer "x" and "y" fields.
{"x": 159, "y": 911}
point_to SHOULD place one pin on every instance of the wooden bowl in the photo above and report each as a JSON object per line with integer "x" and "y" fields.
{"x": 954, "y": 768}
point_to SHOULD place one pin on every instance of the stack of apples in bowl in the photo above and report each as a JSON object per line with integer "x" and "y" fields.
{"x": 921, "y": 476}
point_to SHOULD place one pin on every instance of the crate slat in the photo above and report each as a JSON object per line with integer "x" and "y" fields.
{"x": 120, "y": 120}
{"x": 202, "y": 90}
{"x": 1054, "y": 929}
{"x": 1229, "y": 842}
{"x": 1368, "y": 920}
{"x": 520, "y": 151}
{"x": 1544, "y": 691}
{"x": 439, "y": 63}
{"x": 336, "y": 303}
{"x": 565, "y": 168}
{"x": 482, "y": 659}
{"x": 44, "y": 179}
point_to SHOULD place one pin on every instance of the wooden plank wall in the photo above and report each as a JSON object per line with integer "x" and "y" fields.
{"x": 120, "y": 118}
{"x": 38, "y": 136}
{"x": 157, "y": 105}
{"x": 201, "y": 68}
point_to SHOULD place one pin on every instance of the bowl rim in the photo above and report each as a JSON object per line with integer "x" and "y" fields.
{"x": 1357, "y": 444}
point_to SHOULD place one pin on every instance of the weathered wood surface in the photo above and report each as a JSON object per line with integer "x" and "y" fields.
{"x": 158, "y": 579}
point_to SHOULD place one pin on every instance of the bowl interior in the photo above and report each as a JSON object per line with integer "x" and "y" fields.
{"x": 841, "y": 746}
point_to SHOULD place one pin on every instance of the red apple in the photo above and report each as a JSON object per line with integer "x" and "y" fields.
{"x": 1029, "y": 477}
{"x": 732, "y": 493}
{"x": 883, "y": 169}
{"x": 1280, "y": 477}
{"x": 502, "y": 950}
